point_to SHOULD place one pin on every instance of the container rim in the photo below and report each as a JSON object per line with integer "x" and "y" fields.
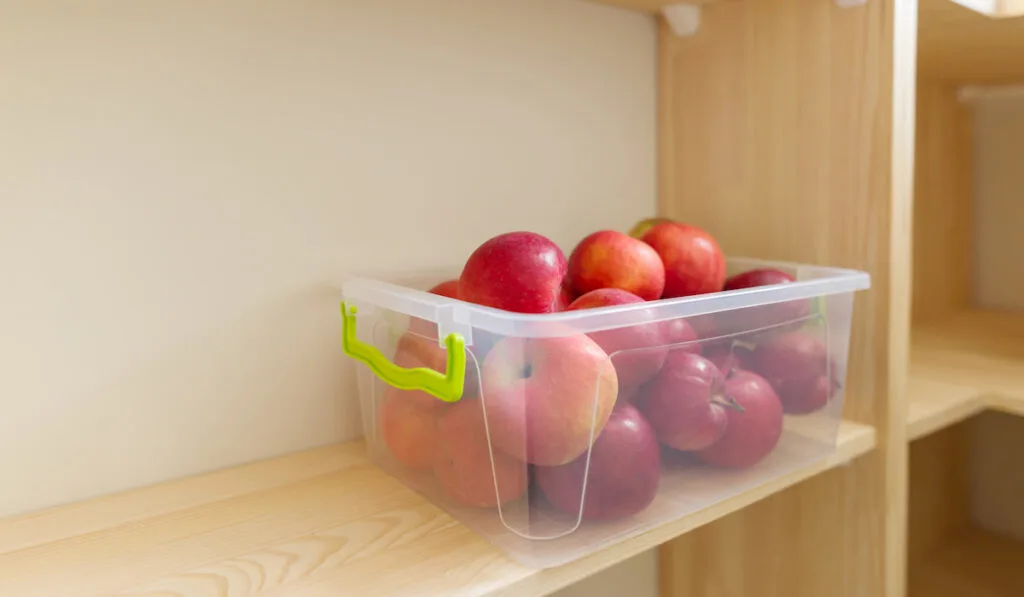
{"x": 457, "y": 314}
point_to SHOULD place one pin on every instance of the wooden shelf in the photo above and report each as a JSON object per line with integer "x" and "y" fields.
{"x": 977, "y": 564}
{"x": 961, "y": 45}
{"x": 321, "y": 522}
{"x": 969, "y": 362}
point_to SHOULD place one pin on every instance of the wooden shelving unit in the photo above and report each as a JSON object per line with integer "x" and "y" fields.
{"x": 322, "y": 522}
{"x": 838, "y": 134}
{"x": 966, "y": 363}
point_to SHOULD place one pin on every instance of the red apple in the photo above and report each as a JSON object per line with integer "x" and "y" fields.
{"x": 753, "y": 430}
{"x": 624, "y": 470}
{"x": 463, "y": 461}
{"x": 636, "y": 367}
{"x": 694, "y": 263}
{"x": 685, "y": 401}
{"x": 428, "y": 329}
{"x": 680, "y": 336}
{"x": 518, "y": 271}
{"x": 765, "y": 315}
{"x": 409, "y": 429}
{"x": 547, "y": 398}
{"x": 798, "y": 367}
{"x": 419, "y": 351}
{"x": 730, "y": 358}
{"x": 611, "y": 259}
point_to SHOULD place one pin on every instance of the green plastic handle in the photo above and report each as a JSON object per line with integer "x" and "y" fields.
{"x": 447, "y": 386}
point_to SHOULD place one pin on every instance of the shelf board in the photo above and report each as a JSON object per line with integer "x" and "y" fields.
{"x": 313, "y": 523}
{"x": 968, "y": 362}
{"x": 976, "y": 564}
{"x": 653, "y": 6}
{"x": 961, "y": 45}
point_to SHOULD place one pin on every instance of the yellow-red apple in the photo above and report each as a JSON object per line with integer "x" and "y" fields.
{"x": 409, "y": 429}
{"x": 463, "y": 461}
{"x": 611, "y": 259}
{"x": 547, "y": 399}
{"x": 694, "y": 263}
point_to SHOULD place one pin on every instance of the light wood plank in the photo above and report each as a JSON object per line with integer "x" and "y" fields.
{"x": 935, "y": 405}
{"x": 323, "y": 522}
{"x": 942, "y": 203}
{"x": 786, "y": 128}
{"x": 960, "y": 45}
{"x": 977, "y": 349}
{"x": 978, "y": 564}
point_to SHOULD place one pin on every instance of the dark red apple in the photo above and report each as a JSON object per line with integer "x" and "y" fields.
{"x": 798, "y": 367}
{"x": 753, "y": 430}
{"x": 635, "y": 367}
{"x": 694, "y": 263}
{"x": 611, "y": 259}
{"x": 792, "y": 312}
{"x": 517, "y": 271}
{"x": 625, "y": 468}
{"x": 685, "y": 402}
{"x": 730, "y": 357}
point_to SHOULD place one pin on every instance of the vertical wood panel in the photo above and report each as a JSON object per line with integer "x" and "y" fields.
{"x": 997, "y": 484}
{"x": 942, "y": 203}
{"x": 787, "y": 129}
{"x": 938, "y": 491}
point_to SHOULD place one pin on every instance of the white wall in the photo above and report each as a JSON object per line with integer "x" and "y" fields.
{"x": 999, "y": 202}
{"x": 181, "y": 181}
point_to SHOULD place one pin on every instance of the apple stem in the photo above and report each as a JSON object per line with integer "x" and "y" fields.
{"x": 727, "y": 401}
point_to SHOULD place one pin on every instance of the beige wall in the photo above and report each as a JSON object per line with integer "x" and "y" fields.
{"x": 999, "y": 202}
{"x": 182, "y": 182}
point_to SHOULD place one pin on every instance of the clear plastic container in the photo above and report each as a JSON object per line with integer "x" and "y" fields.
{"x": 556, "y": 435}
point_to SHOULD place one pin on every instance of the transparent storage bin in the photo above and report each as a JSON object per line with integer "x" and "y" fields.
{"x": 497, "y": 417}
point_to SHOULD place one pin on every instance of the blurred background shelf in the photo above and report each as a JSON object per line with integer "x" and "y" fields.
{"x": 976, "y": 563}
{"x": 319, "y": 522}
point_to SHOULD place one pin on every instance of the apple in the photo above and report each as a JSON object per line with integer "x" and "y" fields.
{"x": 753, "y": 429}
{"x": 641, "y": 227}
{"x": 798, "y": 367}
{"x": 547, "y": 398}
{"x": 463, "y": 461}
{"x": 637, "y": 366}
{"x": 409, "y": 429}
{"x": 418, "y": 351}
{"x": 428, "y": 329}
{"x": 685, "y": 402}
{"x": 611, "y": 259}
{"x": 694, "y": 263}
{"x": 793, "y": 312}
{"x": 624, "y": 471}
{"x": 517, "y": 271}
{"x": 730, "y": 357}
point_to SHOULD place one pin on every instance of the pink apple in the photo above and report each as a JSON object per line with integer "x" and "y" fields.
{"x": 611, "y": 259}
{"x": 685, "y": 402}
{"x": 797, "y": 365}
{"x": 753, "y": 431}
{"x": 624, "y": 471}
{"x": 518, "y": 271}
{"x": 546, "y": 399}
{"x": 730, "y": 357}
{"x": 694, "y": 263}
{"x": 637, "y": 365}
